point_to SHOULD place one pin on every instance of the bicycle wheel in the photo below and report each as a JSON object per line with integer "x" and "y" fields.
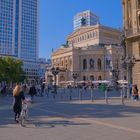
{"x": 26, "y": 115}
{"x": 22, "y": 119}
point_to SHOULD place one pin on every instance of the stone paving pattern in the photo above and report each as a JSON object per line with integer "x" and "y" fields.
{"x": 62, "y": 119}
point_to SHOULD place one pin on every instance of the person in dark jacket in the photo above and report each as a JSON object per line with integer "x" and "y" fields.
{"x": 135, "y": 92}
{"x": 32, "y": 92}
{"x": 18, "y": 98}
{"x": 42, "y": 89}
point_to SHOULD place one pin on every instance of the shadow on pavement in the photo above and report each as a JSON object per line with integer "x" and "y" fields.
{"x": 73, "y": 110}
{"x": 68, "y": 110}
{"x": 51, "y": 124}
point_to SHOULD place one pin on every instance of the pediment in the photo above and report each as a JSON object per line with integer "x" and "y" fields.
{"x": 82, "y": 30}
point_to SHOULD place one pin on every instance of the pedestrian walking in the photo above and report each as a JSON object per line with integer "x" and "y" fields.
{"x": 18, "y": 98}
{"x": 135, "y": 92}
{"x": 32, "y": 92}
{"x": 42, "y": 89}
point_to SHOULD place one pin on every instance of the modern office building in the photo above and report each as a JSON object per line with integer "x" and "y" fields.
{"x": 131, "y": 17}
{"x": 19, "y": 30}
{"x": 85, "y": 18}
{"x": 6, "y": 27}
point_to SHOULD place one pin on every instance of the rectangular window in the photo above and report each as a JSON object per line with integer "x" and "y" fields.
{"x": 138, "y": 1}
{"x": 139, "y": 49}
{"x": 139, "y": 20}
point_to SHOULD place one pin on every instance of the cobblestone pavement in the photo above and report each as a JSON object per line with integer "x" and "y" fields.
{"x": 64, "y": 119}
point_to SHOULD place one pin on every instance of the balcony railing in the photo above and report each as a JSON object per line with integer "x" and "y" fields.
{"x": 132, "y": 33}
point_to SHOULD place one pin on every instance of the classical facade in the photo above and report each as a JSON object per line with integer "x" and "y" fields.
{"x": 92, "y": 52}
{"x": 91, "y": 35}
{"x": 131, "y": 16}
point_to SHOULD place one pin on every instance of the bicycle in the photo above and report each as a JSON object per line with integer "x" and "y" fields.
{"x": 24, "y": 114}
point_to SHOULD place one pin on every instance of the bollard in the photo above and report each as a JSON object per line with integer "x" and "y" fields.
{"x": 106, "y": 97}
{"x": 53, "y": 95}
{"x": 70, "y": 94}
{"x": 92, "y": 98}
{"x": 61, "y": 94}
{"x": 64, "y": 90}
{"x": 122, "y": 96}
{"x": 80, "y": 95}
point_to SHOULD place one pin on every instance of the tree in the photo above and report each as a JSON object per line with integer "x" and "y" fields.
{"x": 11, "y": 70}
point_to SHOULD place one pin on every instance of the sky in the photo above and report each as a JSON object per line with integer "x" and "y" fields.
{"x": 56, "y": 19}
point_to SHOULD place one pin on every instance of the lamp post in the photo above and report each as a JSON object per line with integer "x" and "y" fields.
{"x": 55, "y": 72}
{"x": 128, "y": 63}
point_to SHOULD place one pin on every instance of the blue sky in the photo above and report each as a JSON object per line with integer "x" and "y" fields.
{"x": 56, "y": 19}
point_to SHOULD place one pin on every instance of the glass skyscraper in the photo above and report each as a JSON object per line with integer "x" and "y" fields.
{"x": 19, "y": 26}
{"x": 85, "y": 18}
{"x": 6, "y": 26}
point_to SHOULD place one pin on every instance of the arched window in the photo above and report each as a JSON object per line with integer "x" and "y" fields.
{"x": 62, "y": 78}
{"x": 78, "y": 39}
{"x": 93, "y": 34}
{"x": 84, "y": 78}
{"x": 91, "y": 63}
{"x": 62, "y": 63}
{"x": 100, "y": 78}
{"x": 70, "y": 62}
{"x": 99, "y": 63}
{"x": 90, "y": 35}
{"x": 92, "y": 78}
{"x": 87, "y": 36}
{"x": 125, "y": 78}
{"x": 84, "y": 64}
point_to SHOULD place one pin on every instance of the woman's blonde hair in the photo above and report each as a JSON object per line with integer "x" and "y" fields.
{"x": 17, "y": 90}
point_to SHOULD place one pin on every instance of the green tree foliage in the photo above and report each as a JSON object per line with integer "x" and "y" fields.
{"x": 11, "y": 70}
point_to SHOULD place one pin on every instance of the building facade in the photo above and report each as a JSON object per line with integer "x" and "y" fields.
{"x": 131, "y": 17}
{"x": 19, "y": 27}
{"x": 91, "y": 35}
{"x": 85, "y": 18}
{"x": 92, "y": 52}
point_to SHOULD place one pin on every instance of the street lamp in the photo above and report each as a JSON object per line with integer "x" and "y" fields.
{"x": 55, "y": 72}
{"x": 128, "y": 63}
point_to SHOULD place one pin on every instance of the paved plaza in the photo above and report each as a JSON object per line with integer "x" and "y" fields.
{"x": 64, "y": 119}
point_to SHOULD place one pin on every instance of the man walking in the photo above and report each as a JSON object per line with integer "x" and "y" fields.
{"x": 32, "y": 92}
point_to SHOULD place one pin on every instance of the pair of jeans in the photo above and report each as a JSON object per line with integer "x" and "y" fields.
{"x": 135, "y": 97}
